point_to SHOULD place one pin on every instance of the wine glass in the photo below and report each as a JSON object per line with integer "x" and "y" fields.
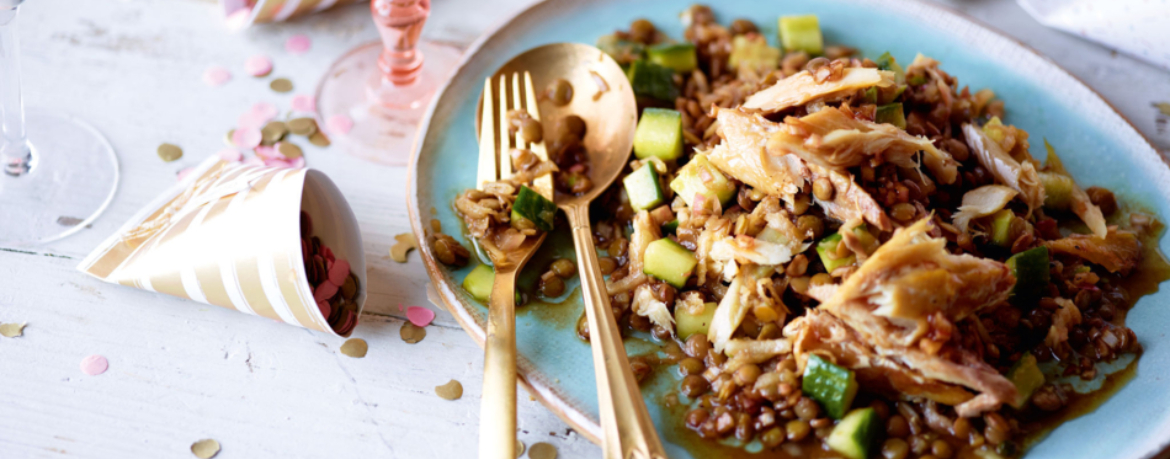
{"x": 59, "y": 172}
{"x": 383, "y": 86}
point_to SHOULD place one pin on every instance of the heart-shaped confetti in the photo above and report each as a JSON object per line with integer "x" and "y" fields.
{"x": 297, "y": 163}
{"x": 420, "y": 316}
{"x": 339, "y": 124}
{"x": 205, "y": 449}
{"x": 258, "y": 66}
{"x": 94, "y": 365}
{"x": 265, "y": 112}
{"x": 11, "y": 330}
{"x": 405, "y": 242}
{"x": 267, "y": 152}
{"x": 338, "y": 272}
{"x": 355, "y": 347}
{"x": 453, "y": 390}
{"x": 298, "y": 44}
{"x": 216, "y": 76}
{"x": 325, "y": 291}
{"x": 231, "y": 155}
{"x": 247, "y": 137}
{"x": 304, "y": 103}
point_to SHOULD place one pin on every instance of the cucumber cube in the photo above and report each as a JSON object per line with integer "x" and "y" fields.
{"x": 827, "y": 250}
{"x": 669, "y": 261}
{"x": 830, "y": 385}
{"x": 679, "y": 57}
{"x": 479, "y": 282}
{"x": 857, "y": 435}
{"x": 652, "y": 80}
{"x": 1031, "y": 270}
{"x": 801, "y": 33}
{"x": 642, "y": 188}
{"x": 659, "y": 134}
{"x": 699, "y": 176}
{"x": 753, "y": 52}
{"x": 890, "y": 114}
{"x": 694, "y": 324}
{"x": 534, "y": 207}
{"x": 1001, "y": 225}
{"x": 1027, "y": 377}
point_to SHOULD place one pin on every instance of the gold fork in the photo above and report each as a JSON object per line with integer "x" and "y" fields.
{"x": 497, "y": 416}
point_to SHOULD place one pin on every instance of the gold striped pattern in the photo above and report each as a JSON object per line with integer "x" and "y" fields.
{"x": 270, "y": 10}
{"x": 229, "y": 237}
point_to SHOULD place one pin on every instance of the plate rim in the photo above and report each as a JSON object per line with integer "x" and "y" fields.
{"x": 547, "y": 395}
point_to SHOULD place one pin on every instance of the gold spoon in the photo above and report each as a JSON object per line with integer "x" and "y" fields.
{"x": 602, "y": 96}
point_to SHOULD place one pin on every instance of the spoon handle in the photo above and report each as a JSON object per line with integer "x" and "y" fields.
{"x": 497, "y": 416}
{"x": 626, "y": 426}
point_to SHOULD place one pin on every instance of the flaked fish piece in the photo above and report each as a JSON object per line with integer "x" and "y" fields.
{"x": 835, "y": 139}
{"x": 742, "y": 154}
{"x": 802, "y": 88}
{"x": 906, "y": 300}
{"x": 752, "y": 286}
{"x": 1118, "y": 251}
{"x": 981, "y": 202}
{"x": 645, "y": 232}
{"x": 1021, "y": 177}
{"x": 1079, "y": 201}
{"x": 821, "y": 333}
{"x": 646, "y": 305}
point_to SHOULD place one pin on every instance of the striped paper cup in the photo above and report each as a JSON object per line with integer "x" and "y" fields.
{"x": 243, "y": 13}
{"x": 229, "y": 235}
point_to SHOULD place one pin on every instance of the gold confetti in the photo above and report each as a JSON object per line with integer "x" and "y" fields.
{"x": 11, "y": 330}
{"x": 205, "y": 449}
{"x": 542, "y": 451}
{"x": 436, "y": 225}
{"x": 303, "y": 126}
{"x": 169, "y": 152}
{"x": 412, "y": 333}
{"x": 355, "y": 347}
{"x": 453, "y": 390}
{"x": 228, "y": 138}
{"x": 290, "y": 150}
{"x": 519, "y": 448}
{"x": 406, "y": 242}
{"x": 319, "y": 139}
{"x": 281, "y": 85}
{"x": 1163, "y": 107}
{"x": 273, "y": 132}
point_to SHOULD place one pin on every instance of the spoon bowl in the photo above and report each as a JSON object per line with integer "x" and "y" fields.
{"x": 602, "y": 96}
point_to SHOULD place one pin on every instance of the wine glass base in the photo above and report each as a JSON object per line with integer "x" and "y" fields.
{"x": 73, "y": 178}
{"x": 385, "y": 117}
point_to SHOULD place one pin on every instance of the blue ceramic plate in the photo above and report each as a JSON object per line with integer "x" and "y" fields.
{"x": 1098, "y": 146}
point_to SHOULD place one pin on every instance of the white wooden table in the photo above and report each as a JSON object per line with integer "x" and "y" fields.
{"x": 180, "y": 371}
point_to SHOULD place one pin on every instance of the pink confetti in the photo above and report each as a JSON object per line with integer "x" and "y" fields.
{"x": 420, "y": 316}
{"x": 267, "y": 153}
{"x": 258, "y": 66}
{"x": 231, "y": 155}
{"x": 254, "y": 161}
{"x": 216, "y": 76}
{"x": 265, "y": 112}
{"x": 339, "y": 124}
{"x": 94, "y": 365}
{"x": 185, "y": 172}
{"x": 326, "y": 308}
{"x": 275, "y": 162}
{"x": 400, "y": 307}
{"x": 327, "y": 253}
{"x": 339, "y": 271}
{"x": 304, "y": 103}
{"x": 298, "y": 44}
{"x": 325, "y": 291}
{"x": 248, "y": 137}
{"x": 298, "y": 163}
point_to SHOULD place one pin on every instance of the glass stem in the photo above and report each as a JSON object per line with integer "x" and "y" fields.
{"x": 14, "y": 151}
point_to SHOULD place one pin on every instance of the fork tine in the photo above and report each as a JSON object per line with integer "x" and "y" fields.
{"x": 505, "y": 158}
{"x": 518, "y": 104}
{"x": 542, "y": 185}
{"x": 487, "y": 138}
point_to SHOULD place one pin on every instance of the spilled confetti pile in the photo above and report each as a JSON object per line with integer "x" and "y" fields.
{"x": 335, "y": 287}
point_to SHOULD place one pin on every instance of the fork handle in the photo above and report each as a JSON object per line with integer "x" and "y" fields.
{"x": 497, "y": 416}
{"x": 627, "y": 429}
